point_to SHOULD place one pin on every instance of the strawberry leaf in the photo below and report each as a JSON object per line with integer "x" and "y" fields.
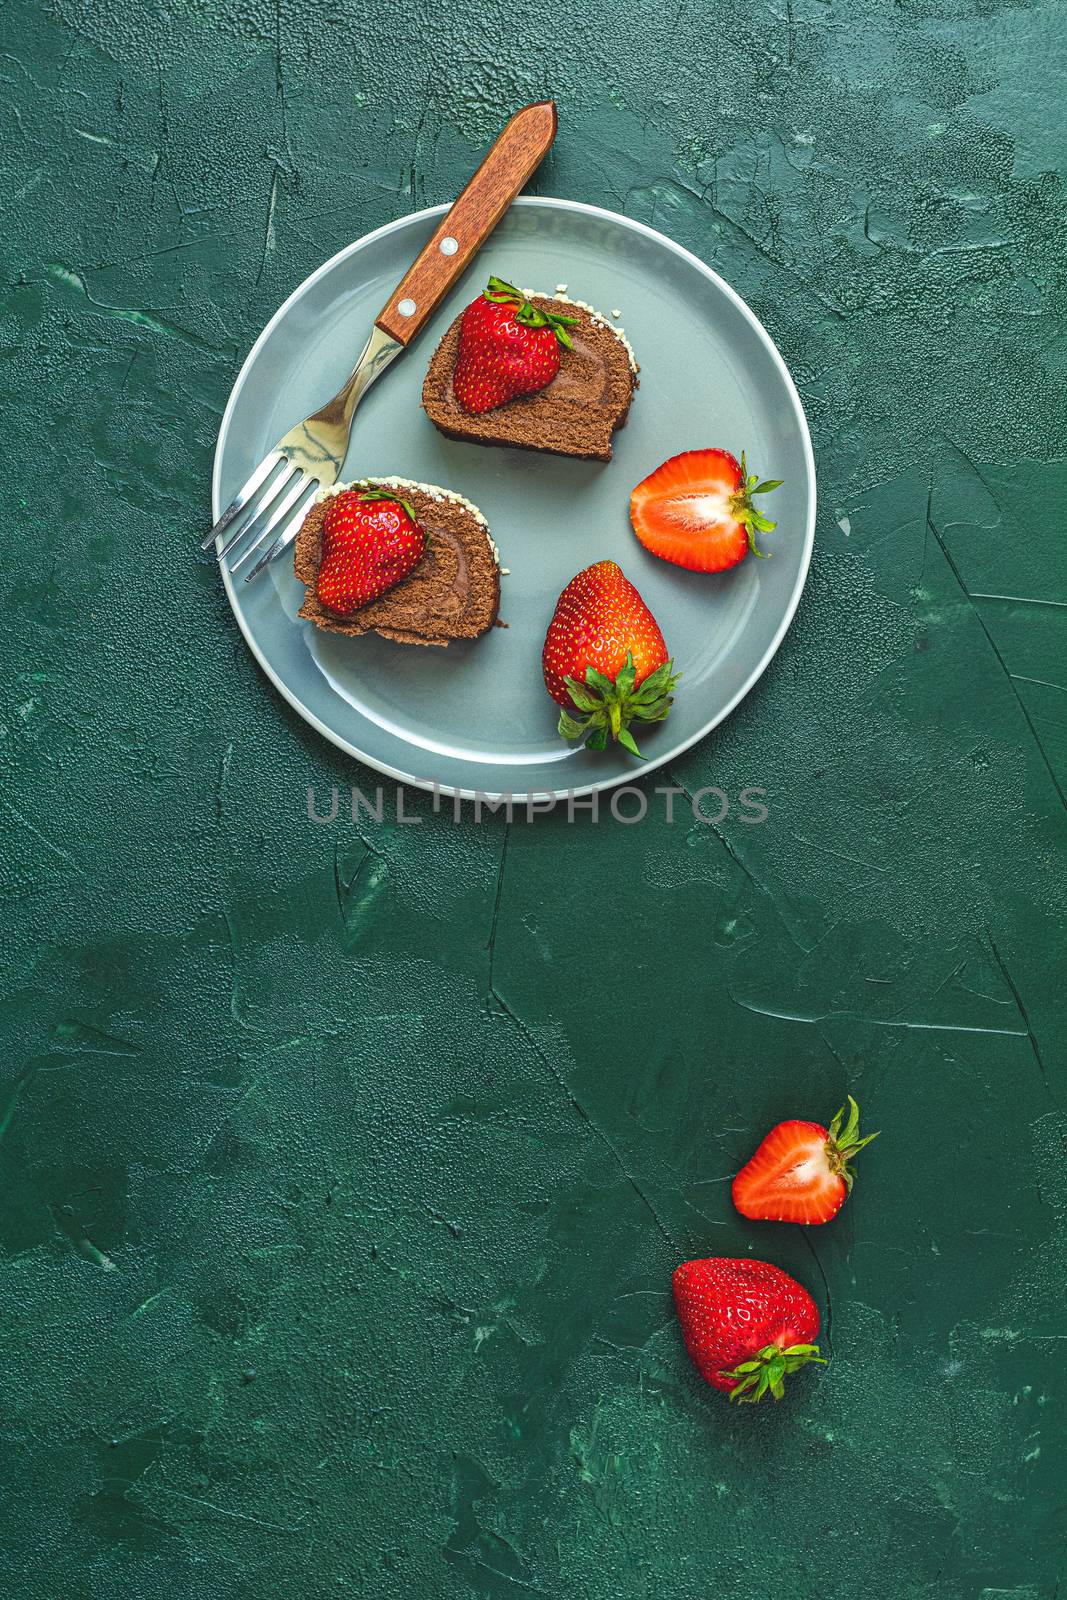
{"x": 744, "y": 509}
{"x": 367, "y": 495}
{"x": 597, "y": 680}
{"x": 768, "y": 1370}
{"x": 657, "y": 682}
{"x": 500, "y": 290}
{"x": 844, "y": 1142}
{"x": 570, "y": 727}
{"x": 609, "y": 706}
{"x": 626, "y": 676}
{"x": 582, "y": 697}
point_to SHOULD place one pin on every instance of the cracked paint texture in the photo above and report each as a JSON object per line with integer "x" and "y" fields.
{"x": 343, "y": 1170}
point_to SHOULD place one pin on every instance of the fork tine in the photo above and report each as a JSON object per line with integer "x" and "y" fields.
{"x": 242, "y": 497}
{"x": 284, "y": 539}
{"x": 285, "y": 505}
{"x": 266, "y": 503}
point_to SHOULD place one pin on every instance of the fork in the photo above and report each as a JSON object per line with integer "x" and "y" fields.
{"x": 276, "y": 497}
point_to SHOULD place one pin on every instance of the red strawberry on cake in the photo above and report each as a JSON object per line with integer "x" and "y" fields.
{"x": 507, "y": 347}
{"x": 370, "y": 542}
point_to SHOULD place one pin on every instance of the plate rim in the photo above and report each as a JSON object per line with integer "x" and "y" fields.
{"x": 579, "y": 791}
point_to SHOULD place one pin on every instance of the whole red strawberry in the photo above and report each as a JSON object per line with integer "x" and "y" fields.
{"x": 604, "y": 657}
{"x": 699, "y": 511}
{"x": 370, "y": 541}
{"x": 802, "y": 1171}
{"x": 507, "y": 347}
{"x": 747, "y": 1325}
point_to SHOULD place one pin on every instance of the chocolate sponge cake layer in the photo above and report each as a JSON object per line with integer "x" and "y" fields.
{"x": 575, "y": 415}
{"x": 453, "y": 593}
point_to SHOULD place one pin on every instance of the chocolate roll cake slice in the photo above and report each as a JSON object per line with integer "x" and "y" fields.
{"x": 452, "y": 593}
{"x": 575, "y": 413}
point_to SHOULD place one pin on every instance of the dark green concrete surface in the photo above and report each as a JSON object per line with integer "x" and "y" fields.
{"x": 342, "y": 1172}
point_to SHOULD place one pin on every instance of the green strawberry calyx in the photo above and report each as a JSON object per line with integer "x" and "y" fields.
{"x": 743, "y": 507}
{"x": 765, "y": 1372}
{"x": 609, "y": 707}
{"x": 367, "y": 495}
{"x": 844, "y": 1142}
{"x": 531, "y": 316}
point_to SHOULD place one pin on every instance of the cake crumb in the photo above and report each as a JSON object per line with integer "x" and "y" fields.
{"x": 616, "y": 315}
{"x": 561, "y": 288}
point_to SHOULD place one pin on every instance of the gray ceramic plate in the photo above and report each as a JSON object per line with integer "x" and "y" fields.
{"x": 475, "y": 718}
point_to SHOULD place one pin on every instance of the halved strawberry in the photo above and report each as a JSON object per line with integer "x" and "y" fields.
{"x": 801, "y": 1171}
{"x": 697, "y": 510}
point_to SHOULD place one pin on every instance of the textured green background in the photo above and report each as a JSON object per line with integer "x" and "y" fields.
{"x": 342, "y": 1172}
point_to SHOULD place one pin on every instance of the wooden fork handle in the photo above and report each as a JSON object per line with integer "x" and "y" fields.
{"x": 516, "y": 154}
